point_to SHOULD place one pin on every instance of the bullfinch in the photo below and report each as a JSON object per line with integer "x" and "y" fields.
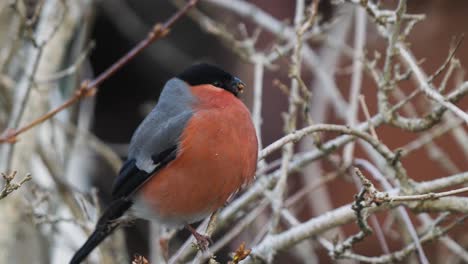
{"x": 195, "y": 149}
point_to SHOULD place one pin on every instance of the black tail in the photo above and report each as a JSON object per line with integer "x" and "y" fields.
{"x": 93, "y": 241}
{"x": 105, "y": 226}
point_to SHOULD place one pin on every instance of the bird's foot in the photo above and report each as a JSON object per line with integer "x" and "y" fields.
{"x": 203, "y": 241}
{"x": 164, "y": 246}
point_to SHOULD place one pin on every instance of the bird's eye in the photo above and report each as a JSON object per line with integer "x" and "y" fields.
{"x": 217, "y": 83}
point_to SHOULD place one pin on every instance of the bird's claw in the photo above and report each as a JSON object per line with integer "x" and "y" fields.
{"x": 203, "y": 241}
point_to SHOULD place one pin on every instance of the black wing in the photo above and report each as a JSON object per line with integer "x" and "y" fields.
{"x": 130, "y": 177}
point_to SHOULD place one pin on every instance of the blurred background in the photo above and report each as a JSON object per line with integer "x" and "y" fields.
{"x": 48, "y": 47}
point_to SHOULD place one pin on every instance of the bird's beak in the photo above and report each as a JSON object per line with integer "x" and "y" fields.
{"x": 239, "y": 85}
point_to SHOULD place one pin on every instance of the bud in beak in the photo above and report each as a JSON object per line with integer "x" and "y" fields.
{"x": 238, "y": 85}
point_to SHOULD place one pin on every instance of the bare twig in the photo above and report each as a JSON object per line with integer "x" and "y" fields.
{"x": 362, "y": 101}
{"x": 356, "y": 79}
{"x": 400, "y": 255}
{"x": 10, "y": 186}
{"x": 88, "y": 88}
{"x": 424, "y": 85}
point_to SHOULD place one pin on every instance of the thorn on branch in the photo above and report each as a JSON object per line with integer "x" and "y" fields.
{"x": 86, "y": 90}
{"x": 159, "y": 31}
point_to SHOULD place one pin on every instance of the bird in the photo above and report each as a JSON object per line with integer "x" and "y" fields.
{"x": 188, "y": 157}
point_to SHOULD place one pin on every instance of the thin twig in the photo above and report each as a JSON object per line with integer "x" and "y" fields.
{"x": 88, "y": 88}
{"x": 356, "y": 79}
{"x": 424, "y": 85}
{"x": 10, "y": 186}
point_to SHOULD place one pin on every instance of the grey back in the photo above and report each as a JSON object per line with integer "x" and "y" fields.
{"x": 161, "y": 129}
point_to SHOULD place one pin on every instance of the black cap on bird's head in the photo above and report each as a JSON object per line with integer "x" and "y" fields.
{"x": 204, "y": 73}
